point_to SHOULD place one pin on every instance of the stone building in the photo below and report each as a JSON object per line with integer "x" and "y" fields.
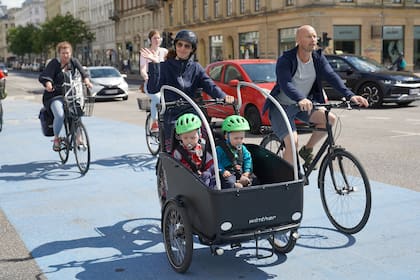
{"x": 265, "y": 28}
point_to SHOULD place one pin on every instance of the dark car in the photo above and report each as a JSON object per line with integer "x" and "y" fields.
{"x": 368, "y": 78}
{"x": 226, "y": 74}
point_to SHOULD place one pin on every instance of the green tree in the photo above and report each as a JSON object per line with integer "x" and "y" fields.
{"x": 25, "y": 40}
{"x": 65, "y": 28}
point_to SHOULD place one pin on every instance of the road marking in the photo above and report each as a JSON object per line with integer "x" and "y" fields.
{"x": 378, "y": 118}
{"x": 404, "y": 134}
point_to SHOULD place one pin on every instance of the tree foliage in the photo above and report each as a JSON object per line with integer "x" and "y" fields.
{"x": 65, "y": 28}
{"x": 31, "y": 39}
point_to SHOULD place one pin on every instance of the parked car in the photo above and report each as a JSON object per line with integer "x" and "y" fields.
{"x": 226, "y": 74}
{"x": 3, "y": 68}
{"x": 368, "y": 78}
{"x": 108, "y": 83}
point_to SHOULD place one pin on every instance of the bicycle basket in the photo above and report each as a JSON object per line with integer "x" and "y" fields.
{"x": 89, "y": 101}
{"x": 144, "y": 103}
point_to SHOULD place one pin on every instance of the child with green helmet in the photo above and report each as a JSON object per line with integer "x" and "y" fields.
{"x": 234, "y": 159}
{"x": 191, "y": 149}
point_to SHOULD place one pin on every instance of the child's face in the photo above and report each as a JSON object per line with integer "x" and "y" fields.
{"x": 189, "y": 139}
{"x": 236, "y": 138}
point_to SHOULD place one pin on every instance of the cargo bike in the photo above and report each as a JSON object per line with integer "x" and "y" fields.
{"x": 271, "y": 210}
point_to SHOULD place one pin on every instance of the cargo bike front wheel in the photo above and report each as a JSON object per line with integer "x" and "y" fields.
{"x": 177, "y": 235}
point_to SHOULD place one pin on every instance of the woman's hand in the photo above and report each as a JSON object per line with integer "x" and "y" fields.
{"x": 49, "y": 87}
{"x": 149, "y": 54}
{"x": 88, "y": 83}
{"x": 229, "y": 99}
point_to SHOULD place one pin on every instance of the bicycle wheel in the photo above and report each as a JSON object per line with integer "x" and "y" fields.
{"x": 283, "y": 242}
{"x": 1, "y": 116}
{"x": 81, "y": 147}
{"x": 272, "y": 143}
{"x": 177, "y": 236}
{"x": 65, "y": 144}
{"x": 161, "y": 184}
{"x": 345, "y": 191}
{"x": 152, "y": 138}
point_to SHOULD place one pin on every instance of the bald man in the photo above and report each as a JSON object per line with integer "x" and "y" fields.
{"x": 300, "y": 72}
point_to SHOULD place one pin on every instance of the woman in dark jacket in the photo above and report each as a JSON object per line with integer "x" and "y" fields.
{"x": 52, "y": 78}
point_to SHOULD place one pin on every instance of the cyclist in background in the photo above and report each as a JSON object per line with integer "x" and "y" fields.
{"x": 300, "y": 72}
{"x": 52, "y": 78}
{"x": 155, "y": 40}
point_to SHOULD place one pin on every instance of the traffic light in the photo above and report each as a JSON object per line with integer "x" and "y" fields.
{"x": 325, "y": 39}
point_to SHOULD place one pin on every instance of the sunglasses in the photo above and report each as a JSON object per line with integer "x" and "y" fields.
{"x": 180, "y": 45}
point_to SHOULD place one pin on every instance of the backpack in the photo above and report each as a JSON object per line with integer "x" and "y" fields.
{"x": 46, "y": 119}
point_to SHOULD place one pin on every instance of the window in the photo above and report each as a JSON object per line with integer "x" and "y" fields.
{"x": 229, "y": 7}
{"x": 232, "y": 73}
{"x": 290, "y": 2}
{"x": 257, "y": 5}
{"x": 205, "y": 9}
{"x": 242, "y": 6}
{"x": 216, "y": 8}
{"x": 185, "y": 7}
{"x": 195, "y": 10}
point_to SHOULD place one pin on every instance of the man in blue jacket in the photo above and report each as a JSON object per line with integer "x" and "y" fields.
{"x": 300, "y": 72}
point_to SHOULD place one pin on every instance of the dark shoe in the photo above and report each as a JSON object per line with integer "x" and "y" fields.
{"x": 56, "y": 145}
{"x": 306, "y": 155}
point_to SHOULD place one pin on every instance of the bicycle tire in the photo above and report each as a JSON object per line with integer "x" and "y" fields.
{"x": 283, "y": 242}
{"x": 81, "y": 149}
{"x": 272, "y": 143}
{"x": 65, "y": 144}
{"x": 152, "y": 138}
{"x": 1, "y": 116}
{"x": 345, "y": 191}
{"x": 177, "y": 235}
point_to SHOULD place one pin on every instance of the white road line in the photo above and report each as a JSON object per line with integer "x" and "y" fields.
{"x": 404, "y": 134}
{"x": 378, "y": 118}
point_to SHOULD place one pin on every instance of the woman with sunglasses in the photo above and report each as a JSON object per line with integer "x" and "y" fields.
{"x": 179, "y": 70}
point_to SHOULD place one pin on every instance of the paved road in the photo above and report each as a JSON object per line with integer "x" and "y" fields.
{"x": 105, "y": 225}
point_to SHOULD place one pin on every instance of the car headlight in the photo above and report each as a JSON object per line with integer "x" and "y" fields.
{"x": 391, "y": 82}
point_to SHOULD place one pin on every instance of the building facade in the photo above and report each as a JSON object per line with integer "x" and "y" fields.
{"x": 32, "y": 12}
{"x": 265, "y": 28}
{"x": 133, "y": 21}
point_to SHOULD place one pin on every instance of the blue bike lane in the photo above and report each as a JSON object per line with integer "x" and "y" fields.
{"x": 106, "y": 224}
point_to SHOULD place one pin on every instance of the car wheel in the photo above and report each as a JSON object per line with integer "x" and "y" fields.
{"x": 253, "y": 117}
{"x": 373, "y": 93}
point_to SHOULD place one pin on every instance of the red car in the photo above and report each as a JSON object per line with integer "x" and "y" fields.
{"x": 227, "y": 73}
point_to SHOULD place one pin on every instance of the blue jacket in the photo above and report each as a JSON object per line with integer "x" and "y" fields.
{"x": 185, "y": 75}
{"x": 286, "y": 68}
{"x": 226, "y": 164}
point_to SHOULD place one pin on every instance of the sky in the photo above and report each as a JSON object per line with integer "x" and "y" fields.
{"x": 12, "y": 3}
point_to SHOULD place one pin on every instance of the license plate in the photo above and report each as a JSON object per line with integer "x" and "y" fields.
{"x": 415, "y": 91}
{"x": 111, "y": 91}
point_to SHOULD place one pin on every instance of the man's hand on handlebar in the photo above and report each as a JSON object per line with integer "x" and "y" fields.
{"x": 305, "y": 105}
{"x": 359, "y": 100}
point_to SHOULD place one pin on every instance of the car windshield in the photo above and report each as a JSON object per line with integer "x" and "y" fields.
{"x": 104, "y": 73}
{"x": 365, "y": 64}
{"x": 261, "y": 72}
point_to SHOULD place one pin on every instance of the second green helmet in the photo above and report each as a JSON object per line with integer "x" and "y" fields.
{"x": 235, "y": 123}
{"x": 186, "y": 123}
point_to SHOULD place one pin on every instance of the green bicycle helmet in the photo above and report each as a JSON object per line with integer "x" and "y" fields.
{"x": 235, "y": 123}
{"x": 186, "y": 123}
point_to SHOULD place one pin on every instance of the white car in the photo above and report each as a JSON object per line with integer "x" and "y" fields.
{"x": 108, "y": 83}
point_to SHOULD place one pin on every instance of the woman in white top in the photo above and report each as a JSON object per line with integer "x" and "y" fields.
{"x": 155, "y": 40}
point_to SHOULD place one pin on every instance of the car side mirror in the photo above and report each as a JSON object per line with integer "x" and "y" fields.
{"x": 233, "y": 83}
{"x": 124, "y": 76}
